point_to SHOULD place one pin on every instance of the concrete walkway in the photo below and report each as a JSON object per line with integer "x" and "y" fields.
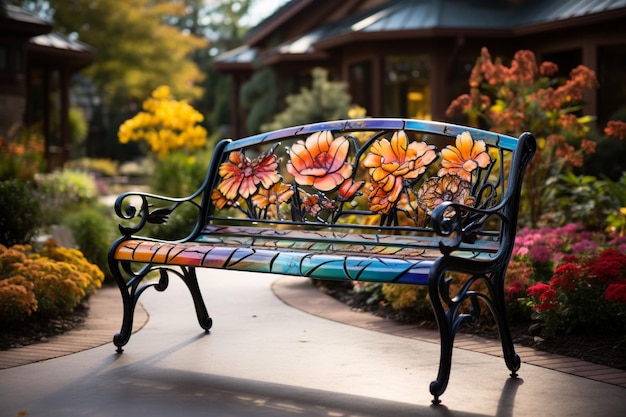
{"x": 265, "y": 358}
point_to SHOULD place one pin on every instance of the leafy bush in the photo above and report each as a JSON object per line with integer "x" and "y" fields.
{"x": 100, "y": 166}
{"x": 178, "y": 174}
{"x": 20, "y": 213}
{"x": 63, "y": 191}
{"x": 93, "y": 231}
{"x": 325, "y": 100}
{"x": 49, "y": 283}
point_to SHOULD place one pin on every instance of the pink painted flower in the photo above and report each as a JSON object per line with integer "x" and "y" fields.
{"x": 320, "y": 161}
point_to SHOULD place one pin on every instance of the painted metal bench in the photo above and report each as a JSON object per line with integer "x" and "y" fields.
{"x": 377, "y": 200}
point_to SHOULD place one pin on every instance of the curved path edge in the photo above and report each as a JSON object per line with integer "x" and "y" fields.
{"x": 302, "y": 294}
{"x": 104, "y": 319}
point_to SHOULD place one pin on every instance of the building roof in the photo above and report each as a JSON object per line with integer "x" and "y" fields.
{"x": 17, "y": 20}
{"x": 58, "y": 41}
{"x": 425, "y": 18}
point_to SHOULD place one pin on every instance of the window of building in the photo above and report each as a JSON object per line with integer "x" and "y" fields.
{"x": 361, "y": 84}
{"x": 612, "y": 80}
{"x": 407, "y": 87}
{"x": 4, "y": 58}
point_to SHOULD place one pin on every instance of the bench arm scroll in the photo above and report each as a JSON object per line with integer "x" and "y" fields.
{"x": 461, "y": 223}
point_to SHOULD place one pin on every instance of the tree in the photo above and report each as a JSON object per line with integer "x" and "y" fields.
{"x": 136, "y": 47}
{"x": 222, "y": 23}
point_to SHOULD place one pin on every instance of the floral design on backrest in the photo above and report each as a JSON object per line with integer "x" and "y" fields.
{"x": 385, "y": 177}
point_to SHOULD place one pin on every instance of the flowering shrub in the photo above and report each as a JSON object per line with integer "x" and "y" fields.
{"x": 49, "y": 283}
{"x": 21, "y": 157}
{"x": 165, "y": 124}
{"x": 573, "y": 280}
{"x": 526, "y": 97}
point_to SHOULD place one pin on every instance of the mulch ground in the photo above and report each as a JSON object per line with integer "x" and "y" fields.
{"x": 38, "y": 328}
{"x": 603, "y": 349}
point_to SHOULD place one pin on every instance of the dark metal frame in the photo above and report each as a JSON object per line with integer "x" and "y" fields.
{"x": 462, "y": 227}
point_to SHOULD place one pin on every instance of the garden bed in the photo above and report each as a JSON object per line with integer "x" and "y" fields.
{"x": 602, "y": 349}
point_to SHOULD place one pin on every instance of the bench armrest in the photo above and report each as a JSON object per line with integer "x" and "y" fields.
{"x": 461, "y": 223}
{"x": 147, "y": 208}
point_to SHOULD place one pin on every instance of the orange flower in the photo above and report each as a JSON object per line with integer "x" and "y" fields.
{"x": 274, "y": 196}
{"x": 348, "y": 189}
{"x": 219, "y": 201}
{"x": 320, "y": 161}
{"x": 616, "y": 128}
{"x": 241, "y": 176}
{"x": 381, "y": 201}
{"x": 465, "y": 157}
{"x": 391, "y": 161}
{"x": 436, "y": 190}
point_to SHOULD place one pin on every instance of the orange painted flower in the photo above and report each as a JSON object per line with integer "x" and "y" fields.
{"x": 391, "y": 159}
{"x": 380, "y": 201}
{"x": 274, "y": 196}
{"x": 241, "y": 176}
{"x": 463, "y": 158}
{"x": 219, "y": 201}
{"x": 320, "y": 161}
{"x": 348, "y": 189}
{"x": 436, "y": 190}
{"x": 390, "y": 162}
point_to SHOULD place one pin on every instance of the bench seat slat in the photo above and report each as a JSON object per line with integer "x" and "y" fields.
{"x": 311, "y": 264}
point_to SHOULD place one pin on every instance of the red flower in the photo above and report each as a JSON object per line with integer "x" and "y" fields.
{"x": 348, "y": 189}
{"x": 608, "y": 267}
{"x": 537, "y": 290}
{"x": 566, "y": 276}
{"x": 616, "y": 293}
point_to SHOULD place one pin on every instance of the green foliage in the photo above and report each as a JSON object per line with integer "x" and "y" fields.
{"x": 616, "y": 219}
{"x": 93, "y": 230}
{"x": 260, "y": 96}
{"x": 179, "y": 174}
{"x": 98, "y": 166}
{"x": 20, "y": 213}
{"x": 78, "y": 129}
{"x": 137, "y": 49}
{"x": 63, "y": 191}
{"x": 179, "y": 224}
{"x": 325, "y": 100}
{"x": 408, "y": 297}
{"x": 49, "y": 283}
{"x": 581, "y": 199}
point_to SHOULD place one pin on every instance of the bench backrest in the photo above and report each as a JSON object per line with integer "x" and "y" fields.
{"x": 391, "y": 182}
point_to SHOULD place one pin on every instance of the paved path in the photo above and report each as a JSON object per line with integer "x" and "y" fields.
{"x": 264, "y": 357}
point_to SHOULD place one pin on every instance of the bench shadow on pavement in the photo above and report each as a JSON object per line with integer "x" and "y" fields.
{"x": 144, "y": 388}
